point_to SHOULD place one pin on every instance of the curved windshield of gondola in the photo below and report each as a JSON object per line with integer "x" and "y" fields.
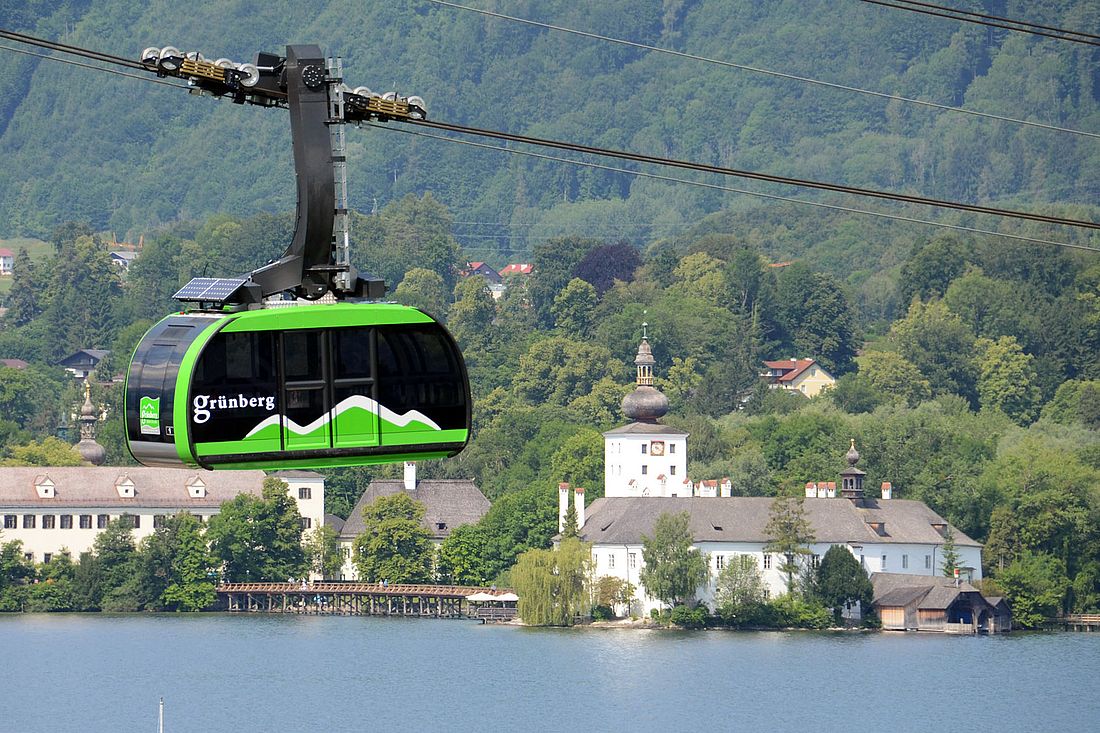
{"x": 418, "y": 369}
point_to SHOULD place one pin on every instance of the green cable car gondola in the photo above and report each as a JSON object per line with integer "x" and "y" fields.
{"x": 306, "y": 386}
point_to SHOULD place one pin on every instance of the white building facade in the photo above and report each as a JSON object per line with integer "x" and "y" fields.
{"x": 59, "y": 510}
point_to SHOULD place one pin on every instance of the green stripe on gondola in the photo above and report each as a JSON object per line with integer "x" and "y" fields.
{"x": 335, "y": 316}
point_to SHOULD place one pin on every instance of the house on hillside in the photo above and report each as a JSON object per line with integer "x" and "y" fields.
{"x": 7, "y": 261}
{"x": 83, "y": 362}
{"x": 517, "y": 269}
{"x": 805, "y": 376}
{"x": 122, "y": 258}
{"x": 474, "y": 269}
{"x": 448, "y": 504}
{"x": 937, "y": 603}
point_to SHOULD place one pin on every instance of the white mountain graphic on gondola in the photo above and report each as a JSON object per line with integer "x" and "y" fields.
{"x": 356, "y": 405}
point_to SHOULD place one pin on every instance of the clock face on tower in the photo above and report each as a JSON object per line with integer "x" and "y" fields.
{"x": 657, "y": 448}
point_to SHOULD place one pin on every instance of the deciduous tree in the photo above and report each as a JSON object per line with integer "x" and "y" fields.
{"x": 674, "y": 567}
{"x": 393, "y": 545}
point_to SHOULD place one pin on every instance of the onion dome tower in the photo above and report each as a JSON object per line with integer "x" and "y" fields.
{"x": 645, "y": 458}
{"x": 851, "y": 478}
{"x": 88, "y": 448}
{"x": 646, "y": 403}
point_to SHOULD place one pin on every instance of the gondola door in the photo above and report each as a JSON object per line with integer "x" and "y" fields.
{"x": 355, "y": 393}
{"x": 305, "y": 366}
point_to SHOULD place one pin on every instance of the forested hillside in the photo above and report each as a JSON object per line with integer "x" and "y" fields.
{"x": 129, "y": 156}
{"x": 968, "y": 363}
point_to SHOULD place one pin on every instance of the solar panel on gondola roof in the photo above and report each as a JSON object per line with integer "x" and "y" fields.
{"x": 209, "y": 289}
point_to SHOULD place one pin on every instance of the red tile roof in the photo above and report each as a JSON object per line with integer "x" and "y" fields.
{"x": 4, "y": 252}
{"x": 791, "y": 367}
{"x": 517, "y": 269}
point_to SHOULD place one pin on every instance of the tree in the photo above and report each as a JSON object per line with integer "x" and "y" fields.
{"x": 940, "y": 345}
{"x": 739, "y": 584}
{"x": 1035, "y": 585}
{"x": 393, "y": 546}
{"x": 554, "y": 262}
{"x": 789, "y": 534}
{"x": 554, "y": 585}
{"x": 674, "y": 568}
{"x": 461, "y": 559}
{"x": 610, "y": 591}
{"x": 471, "y": 317}
{"x": 841, "y": 582}
{"x": 190, "y": 586}
{"x": 948, "y": 552}
{"x": 50, "y": 451}
{"x": 14, "y": 572}
{"x": 1007, "y": 379}
{"x": 258, "y": 538}
{"x": 424, "y": 289}
{"x": 26, "y": 285}
{"x": 817, "y": 317}
{"x": 573, "y": 307}
{"x": 569, "y": 528}
{"x": 558, "y": 370}
{"x": 895, "y": 376}
{"x": 322, "y": 547}
{"x": 115, "y": 560}
{"x": 930, "y": 270}
{"x": 605, "y": 264}
{"x": 580, "y": 460}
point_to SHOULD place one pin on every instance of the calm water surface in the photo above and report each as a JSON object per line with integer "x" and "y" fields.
{"x": 290, "y": 673}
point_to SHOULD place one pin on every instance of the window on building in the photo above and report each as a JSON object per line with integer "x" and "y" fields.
{"x": 133, "y": 520}
{"x": 101, "y": 521}
{"x": 862, "y": 562}
{"x": 441, "y": 525}
{"x": 719, "y": 562}
{"x": 158, "y": 521}
{"x": 85, "y": 521}
{"x": 645, "y": 447}
{"x": 306, "y": 522}
{"x": 9, "y": 521}
{"x": 28, "y": 556}
{"x": 28, "y": 521}
{"x": 904, "y": 562}
{"x": 767, "y": 561}
{"x": 611, "y": 561}
{"x": 815, "y": 561}
{"x": 672, "y": 470}
{"x": 767, "y": 593}
{"x": 345, "y": 552}
{"x": 671, "y": 447}
{"x": 46, "y": 557}
{"x": 645, "y": 469}
{"x": 66, "y": 521}
{"x": 632, "y": 559}
{"x": 927, "y": 562}
{"x": 305, "y": 492}
{"x": 49, "y": 521}
{"x": 883, "y": 562}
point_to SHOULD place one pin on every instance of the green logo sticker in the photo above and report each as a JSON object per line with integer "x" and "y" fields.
{"x": 149, "y": 411}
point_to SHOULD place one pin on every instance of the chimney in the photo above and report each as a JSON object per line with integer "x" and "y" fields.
{"x": 578, "y": 504}
{"x": 811, "y": 490}
{"x": 410, "y": 476}
{"x": 563, "y": 505}
{"x": 887, "y": 490}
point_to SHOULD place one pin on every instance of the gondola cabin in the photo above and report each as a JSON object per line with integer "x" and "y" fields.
{"x": 301, "y": 387}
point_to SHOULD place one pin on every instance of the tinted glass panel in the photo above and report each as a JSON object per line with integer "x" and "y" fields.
{"x": 302, "y": 355}
{"x": 151, "y": 383}
{"x": 234, "y": 387}
{"x": 351, "y": 347}
{"x": 418, "y": 369}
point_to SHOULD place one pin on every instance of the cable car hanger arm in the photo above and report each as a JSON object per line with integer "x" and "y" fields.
{"x": 316, "y": 261}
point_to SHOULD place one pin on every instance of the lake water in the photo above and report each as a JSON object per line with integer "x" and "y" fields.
{"x": 301, "y": 673}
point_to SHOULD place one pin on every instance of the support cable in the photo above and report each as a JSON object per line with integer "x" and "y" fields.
{"x": 993, "y": 21}
{"x": 769, "y": 72}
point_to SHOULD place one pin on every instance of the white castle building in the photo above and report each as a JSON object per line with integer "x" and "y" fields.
{"x": 646, "y": 476}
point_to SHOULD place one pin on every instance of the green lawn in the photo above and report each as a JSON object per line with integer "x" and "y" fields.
{"x": 36, "y": 248}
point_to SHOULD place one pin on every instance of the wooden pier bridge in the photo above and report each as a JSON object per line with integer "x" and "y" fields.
{"x": 1082, "y": 622}
{"x": 368, "y": 599}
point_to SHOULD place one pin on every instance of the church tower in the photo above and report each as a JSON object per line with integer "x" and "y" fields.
{"x": 644, "y": 457}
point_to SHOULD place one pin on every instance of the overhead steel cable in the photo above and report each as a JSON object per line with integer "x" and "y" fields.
{"x": 993, "y": 21}
{"x": 75, "y": 50}
{"x": 47, "y": 57}
{"x": 759, "y": 194}
{"x": 706, "y": 168}
{"x": 768, "y": 72}
{"x": 756, "y": 175}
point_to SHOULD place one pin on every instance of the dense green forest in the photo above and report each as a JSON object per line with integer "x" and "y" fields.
{"x": 968, "y": 364}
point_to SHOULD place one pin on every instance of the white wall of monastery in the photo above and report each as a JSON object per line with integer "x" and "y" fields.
{"x": 632, "y": 468}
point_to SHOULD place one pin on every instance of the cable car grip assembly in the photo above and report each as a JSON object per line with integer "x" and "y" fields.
{"x": 312, "y": 88}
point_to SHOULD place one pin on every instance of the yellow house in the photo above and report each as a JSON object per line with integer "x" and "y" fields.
{"x": 805, "y": 376}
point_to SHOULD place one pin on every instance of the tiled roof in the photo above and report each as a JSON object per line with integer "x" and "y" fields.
{"x": 624, "y": 520}
{"x": 517, "y": 269}
{"x": 450, "y": 502}
{"x": 14, "y": 363}
{"x": 5, "y": 252}
{"x": 94, "y": 486}
{"x": 899, "y": 589}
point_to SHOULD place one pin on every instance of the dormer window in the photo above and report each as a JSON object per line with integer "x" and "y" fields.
{"x": 44, "y": 487}
{"x": 940, "y": 527}
{"x": 196, "y": 488}
{"x": 878, "y": 527}
{"x": 124, "y": 485}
